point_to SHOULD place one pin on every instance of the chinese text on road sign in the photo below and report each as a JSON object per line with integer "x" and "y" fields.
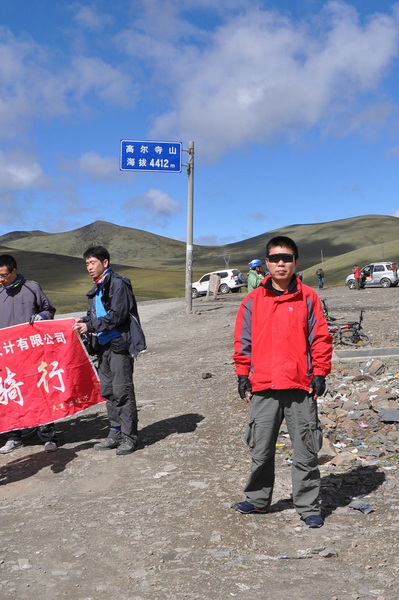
{"x": 150, "y": 156}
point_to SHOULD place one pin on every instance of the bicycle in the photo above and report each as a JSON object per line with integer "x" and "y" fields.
{"x": 350, "y": 333}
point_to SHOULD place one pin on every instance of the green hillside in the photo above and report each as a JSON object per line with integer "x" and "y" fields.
{"x": 156, "y": 264}
{"x": 127, "y": 246}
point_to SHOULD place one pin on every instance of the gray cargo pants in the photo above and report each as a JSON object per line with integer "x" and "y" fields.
{"x": 268, "y": 409}
{"x": 115, "y": 370}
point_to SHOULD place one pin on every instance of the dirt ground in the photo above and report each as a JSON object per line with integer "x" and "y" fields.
{"x": 158, "y": 524}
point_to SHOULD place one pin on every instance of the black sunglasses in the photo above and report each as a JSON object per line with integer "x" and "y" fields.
{"x": 275, "y": 258}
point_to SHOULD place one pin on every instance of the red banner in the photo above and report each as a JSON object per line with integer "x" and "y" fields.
{"x": 45, "y": 374}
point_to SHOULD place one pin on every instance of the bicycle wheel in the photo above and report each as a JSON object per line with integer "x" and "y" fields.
{"x": 353, "y": 337}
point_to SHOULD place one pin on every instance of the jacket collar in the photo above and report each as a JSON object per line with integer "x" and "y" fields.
{"x": 93, "y": 291}
{"x": 293, "y": 286}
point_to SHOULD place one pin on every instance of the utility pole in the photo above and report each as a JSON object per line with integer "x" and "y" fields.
{"x": 189, "y": 238}
{"x": 321, "y": 251}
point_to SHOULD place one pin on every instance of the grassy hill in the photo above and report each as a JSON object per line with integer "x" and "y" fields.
{"x": 156, "y": 264}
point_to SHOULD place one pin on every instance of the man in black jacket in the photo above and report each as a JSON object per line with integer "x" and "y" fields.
{"x": 113, "y": 316}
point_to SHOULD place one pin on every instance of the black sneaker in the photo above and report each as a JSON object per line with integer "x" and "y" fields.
{"x": 127, "y": 446}
{"x": 108, "y": 444}
{"x": 314, "y": 521}
{"x": 246, "y": 508}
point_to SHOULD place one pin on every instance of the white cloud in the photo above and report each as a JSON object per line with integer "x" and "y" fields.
{"x": 36, "y": 82}
{"x": 97, "y": 167}
{"x": 153, "y": 204}
{"x": 90, "y": 17}
{"x": 259, "y": 76}
{"x": 156, "y": 202}
{"x": 19, "y": 172}
{"x": 89, "y": 75}
{"x": 246, "y": 75}
{"x": 26, "y": 87}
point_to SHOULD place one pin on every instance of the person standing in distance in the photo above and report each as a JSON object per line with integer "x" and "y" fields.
{"x": 23, "y": 301}
{"x": 112, "y": 306}
{"x": 282, "y": 355}
{"x": 320, "y": 277}
{"x": 356, "y": 275}
{"x": 255, "y": 275}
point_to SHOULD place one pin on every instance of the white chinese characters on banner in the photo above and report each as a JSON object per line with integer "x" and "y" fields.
{"x": 45, "y": 374}
{"x": 33, "y": 341}
{"x": 53, "y": 373}
{"x": 10, "y": 389}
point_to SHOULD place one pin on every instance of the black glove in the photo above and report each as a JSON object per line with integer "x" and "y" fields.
{"x": 318, "y": 384}
{"x": 244, "y": 385}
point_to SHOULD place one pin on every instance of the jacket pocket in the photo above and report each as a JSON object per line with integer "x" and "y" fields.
{"x": 314, "y": 439}
{"x": 119, "y": 345}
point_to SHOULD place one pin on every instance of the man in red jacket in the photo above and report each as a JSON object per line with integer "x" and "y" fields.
{"x": 356, "y": 275}
{"x": 282, "y": 356}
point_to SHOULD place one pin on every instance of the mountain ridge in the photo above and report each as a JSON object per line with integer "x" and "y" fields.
{"x": 156, "y": 264}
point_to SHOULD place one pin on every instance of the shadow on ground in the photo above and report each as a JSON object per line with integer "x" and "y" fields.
{"x": 161, "y": 429}
{"x": 339, "y": 489}
{"x": 86, "y": 429}
{"x": 28, "y": 466}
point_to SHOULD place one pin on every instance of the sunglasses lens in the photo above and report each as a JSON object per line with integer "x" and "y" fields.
{"x": 275, "y": 258}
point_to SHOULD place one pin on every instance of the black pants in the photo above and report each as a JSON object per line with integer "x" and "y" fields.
{"x": 115, "y": 370}
{"x": 46, "y": 433}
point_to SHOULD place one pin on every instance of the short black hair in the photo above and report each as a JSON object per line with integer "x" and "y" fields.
{"x": 6, "y": 260}
{"x": 282, "y": 240}
{"x": 98, "y": 252}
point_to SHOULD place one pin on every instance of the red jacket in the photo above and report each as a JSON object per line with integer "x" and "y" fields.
{"x": 282, "y": 341}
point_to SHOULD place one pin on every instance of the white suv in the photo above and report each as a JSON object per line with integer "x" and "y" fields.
{"x": 230, "y": 280}
{"x": 384, "y": 274}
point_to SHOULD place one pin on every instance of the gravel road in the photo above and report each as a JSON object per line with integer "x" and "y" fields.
{"x": 158, "y": 524}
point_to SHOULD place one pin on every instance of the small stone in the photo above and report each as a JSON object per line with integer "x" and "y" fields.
{"x": 206, "y": 375}
{"x": 328, "y": 553}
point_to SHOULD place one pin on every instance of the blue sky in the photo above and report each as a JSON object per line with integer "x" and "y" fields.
{"x": 292, "y": 106}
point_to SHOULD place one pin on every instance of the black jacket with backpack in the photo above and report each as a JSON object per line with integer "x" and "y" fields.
{"x": 122, "y": 314}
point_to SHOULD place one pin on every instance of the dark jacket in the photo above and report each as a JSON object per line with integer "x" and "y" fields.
{"x": 18, "y": 304}
{"x": 122, "y": 314}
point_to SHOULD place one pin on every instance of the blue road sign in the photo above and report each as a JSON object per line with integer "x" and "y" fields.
{"x": 150, "y": 156}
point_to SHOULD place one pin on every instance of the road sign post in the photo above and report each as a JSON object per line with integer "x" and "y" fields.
{"x": 189, "y": 239}
{"x": 165, "y": 157}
